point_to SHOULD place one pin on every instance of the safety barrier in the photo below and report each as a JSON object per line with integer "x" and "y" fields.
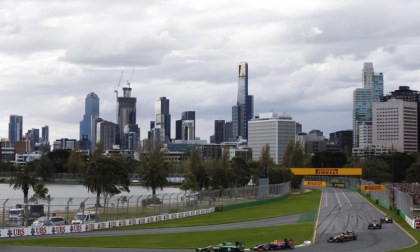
{"x": 66, "y": 229}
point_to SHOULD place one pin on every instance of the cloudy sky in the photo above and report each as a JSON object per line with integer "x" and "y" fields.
{"x": 305, "y": 58}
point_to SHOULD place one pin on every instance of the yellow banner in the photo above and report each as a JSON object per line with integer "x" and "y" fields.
{"x": 372, "y": 187}
{"x": 314, "y": 183}
{"x": 326, "y": 171}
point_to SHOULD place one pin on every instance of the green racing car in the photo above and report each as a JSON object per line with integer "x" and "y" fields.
{"x": 224, "y": 247}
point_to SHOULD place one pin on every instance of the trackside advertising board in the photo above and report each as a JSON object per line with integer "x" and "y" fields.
{"x": 314, "y": 183}
{"x": 372, "y": 187}
{"x": 326, "y": 171}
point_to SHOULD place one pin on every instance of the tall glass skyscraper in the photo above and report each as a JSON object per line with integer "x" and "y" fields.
{"x": 163, "y": 119}
{"x": 372, "y": 91}
{"x": 244, "y": 108}
{"x": 15, "y": 128}
{"x": 126, "y": 116}
{"x": 87, "y": 126}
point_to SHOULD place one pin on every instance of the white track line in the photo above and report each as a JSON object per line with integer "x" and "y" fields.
{"x": 346, "y": 197}
{"x": 326, "y": 199}
{"x": 336, "y": 195}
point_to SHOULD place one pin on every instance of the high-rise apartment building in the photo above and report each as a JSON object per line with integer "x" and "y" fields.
{"x": 373, "y": 86}
{"x": 395, "y": 122}
{"x": 91, "y": 113}
{"x": 163, "y": 119}
{"x": 274, "y": 129}
{"x": 244, "y": 108}
{"x": 404, "y": 93}
{"x": 343, "y": 139}
{"x": 106, "y": 132}
{"x": 15, "y": 128}
{"x": 126, "y": 113}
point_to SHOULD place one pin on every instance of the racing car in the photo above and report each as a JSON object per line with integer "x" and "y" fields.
{"x": 345, "y": 236}
{"x": 386, "y": 219}
{"x": 375, "y": 225}
{"x": 224, "y": 247}
{"x": 275, "y": 245}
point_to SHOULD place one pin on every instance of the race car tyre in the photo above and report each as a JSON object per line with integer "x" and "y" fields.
{"x": 266, "y": 248}
{"x": 210, "y": 249}
{"x": 291, "y": 246}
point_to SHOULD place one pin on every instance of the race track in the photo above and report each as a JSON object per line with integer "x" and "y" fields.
{"x": 341, "y": 210}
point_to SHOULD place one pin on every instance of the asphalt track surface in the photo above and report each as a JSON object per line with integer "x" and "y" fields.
{"x": 341, "y": 210}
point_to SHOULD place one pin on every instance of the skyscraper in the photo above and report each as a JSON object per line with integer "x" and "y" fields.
{"x": 185, "y": 130}
{"x": 244, "y": 108}
{"x": 163, "y": 119}
{"x": 91, "y": 113}
{"x": 219, "y": 126}
{"x": 373, "y": 89}
{"x": 45, "y": 134}
{"x": 15, "y": 128}
{"x": 126, "y": 113}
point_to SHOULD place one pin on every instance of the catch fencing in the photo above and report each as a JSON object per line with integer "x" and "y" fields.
{"x": 382, "y": 198}
{"x": 115, "y": 207}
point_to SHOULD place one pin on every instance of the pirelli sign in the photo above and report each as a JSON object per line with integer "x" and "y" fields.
{"x": 372, "y": 187}
{"x": 314, "y": 183}
{"x": 326, "y": 171}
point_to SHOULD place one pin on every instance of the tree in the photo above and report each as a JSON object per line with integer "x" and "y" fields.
{"x": 99, "y": 150}
{"x": 189, "y": 183}
{"x": 106, "y": 175}
{"x": 288, "y": 153}
{"x": 43, "y": 168}
{"x": 132, "y": 165}
{"x": 377, "y": 170}
{"x": 265, "y": 160}
{"x": 75, "y": 163}
{"x": 59, "y": 158}
{"x": 24, "y": 180}
{"x": 152, "y": 172}
{"x": 240, "y": 174}
{"x": 194, "y": 161}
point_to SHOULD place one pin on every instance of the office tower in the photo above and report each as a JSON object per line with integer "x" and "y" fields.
{"x": 228, "y": 132}
{"x": 181, "y": 126}
{"x": 343, "y": 139}
{"x": 373, "y": 86}
{"x": 126, "y": 113}
{"x": 15, "y": 128}
{"x": 244, "y": 108}
{"x": 274, "y": 129}
{"x": 131, "y": 137}
{"x": 45, "y": 134}
{"x": 219, "y": 126}
{"x": 404, "y": 93}
{"x": 163, "y": 120}
{"x": 395, "y": 122}
{"x": 105, "y": 132}
{"x": 32, "y": 136}
{"x": 298, "y": 127}
{"x": 65, "y": 144}
{"x": 91, "y": 113}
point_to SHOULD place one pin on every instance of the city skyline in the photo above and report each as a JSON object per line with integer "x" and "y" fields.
{"x": 304, "y": 58}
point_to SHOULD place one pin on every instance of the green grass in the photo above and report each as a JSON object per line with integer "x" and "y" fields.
{"x": 398, "y": 219}
{"x": 189, "y": 240}
{"x": 292, "y": 204}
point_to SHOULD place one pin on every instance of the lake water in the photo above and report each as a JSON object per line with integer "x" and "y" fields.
{"x": 77, "y": 191}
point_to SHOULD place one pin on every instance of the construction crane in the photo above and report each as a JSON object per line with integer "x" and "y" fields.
{"x": 116, "y": 95}
{"x": 129, "y": 81}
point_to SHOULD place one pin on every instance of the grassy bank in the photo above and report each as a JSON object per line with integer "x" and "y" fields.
{"x": 292, "y": 204}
